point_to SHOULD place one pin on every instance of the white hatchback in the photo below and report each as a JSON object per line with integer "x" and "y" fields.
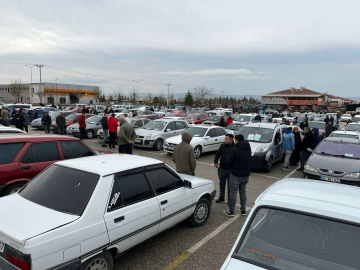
{"x": 300, "y": 224}
{"x": 80, "y": 213}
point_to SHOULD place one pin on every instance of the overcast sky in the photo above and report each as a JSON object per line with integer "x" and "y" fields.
{"x": 235, "y": 47}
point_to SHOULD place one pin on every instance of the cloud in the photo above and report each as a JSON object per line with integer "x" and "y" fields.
{"x": 215, "y": 73}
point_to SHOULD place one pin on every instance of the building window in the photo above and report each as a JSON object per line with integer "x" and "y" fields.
{"x": 50, "y": 100}
{"x": 33, "y": 91}
{"x": 62, "y": 100}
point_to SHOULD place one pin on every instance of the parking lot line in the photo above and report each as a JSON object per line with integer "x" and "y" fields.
{"x": 290, "y": 174}
{"x": 264, "y": 175}
{"x": 205, "y": 163}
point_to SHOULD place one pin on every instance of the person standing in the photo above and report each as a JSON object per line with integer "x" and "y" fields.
{"x": 295, "y": 156}
{"x": 5, "y": 116}
{"x": 238, "y": 161}
{"x": 304, "y": 124}
{"x": 46, "y": 122}
{"x": 112, "y": 125}
{"x": 328, "y": 129}
{"x": 184, "y": 156}
{"x": 104, "y": 124}
{"x": 316, "y": 139}
{"x": 127, "y": 136}
{"x": 288, "y": 145}
{"x": 18, "y": 120}
{"x": 82, "y": 126}
{"x": 127, "y": 119}
{"x": 229, "y": 120}
{"x": 222, "y": 121}
{"x": 326, "y": 120}
{"x": 223, "y": 171}
{"x": 257, "y": 118}
{"x": 26, "y": 120}
{"x": 305, "y": 148}
{"x": 61, "y": 123}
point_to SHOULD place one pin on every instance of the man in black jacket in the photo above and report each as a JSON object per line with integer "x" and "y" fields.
{"x": 329, "y": 129}
{"x": 105, "y": 127}
{"x": 223, "y": 170}
{"x": 305, "y": 148}
{"x": 238, "y": 161}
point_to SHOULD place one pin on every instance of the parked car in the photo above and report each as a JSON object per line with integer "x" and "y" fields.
{"x": 161, "y": 113}
{"x": 234, "y": 128}
{"x": 265, "y": 140}
{"x": 244, "y": 118}
{"x": 135, "y": 122}
{"x": 356, "y": 118}
{"x": 99, "y": 108}
{"x": 318, "y": 124}
{"x": 353, "y": 127}
{"x": 205, "y": 139}
{"x": 79, "y": 214}
{"x": 154, "y": 133}
{"x": 36, "y": 123}
{"x": 23, "y": 156}
{"x": 335, "y": 160}
{"x": 190, "y": 124}
{"x": 300, "y": 224}
{"x": 93, "y": 124}
{"x": 6, "y": 130}
{"x": 148, "y": 116}
{"x": 345, "y": 134}
{"x": 70, "y": 120}
{"x": 197, "y": 118}
{"x": 346, "y": 118}
{"x": 213, "y": 120}
{"x": 144, "y": 112}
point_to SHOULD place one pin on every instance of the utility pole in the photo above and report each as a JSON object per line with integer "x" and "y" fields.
{"x": 55, "y": 91}
{"x": 137, "y": 89}
{"x": 168, "y": 99}
{"x": 32, "y": 94}
{"x": 41, "y": 86}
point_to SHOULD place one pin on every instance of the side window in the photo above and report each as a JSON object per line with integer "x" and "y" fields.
{"x": 220, "y": 132}
{"x": 41, "y": 152}
{"x": 164, "y": 181}
{"x": 179, "y": 125}
{"x": 115, "y": 198}
{"x": 211, "y": 132}
{"x": 278, "y": 135}
{"x": 134, "y": 188}
{"x": 138, "y": 123}
{"x": 146, "y": 121}
{"x": 170, "y": 126}
{"x": 9, "y": 151}
{"x": 75, "y": 150}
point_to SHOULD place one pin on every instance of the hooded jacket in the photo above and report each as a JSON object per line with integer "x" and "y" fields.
{"x": 328, "y": 130}
{"x": 288, "y": 140}
{"x": 316, "y": 139}
{"x": 184, "y": 156}
{"x": 307, "y": 141}
{"x": 239, "y": 159}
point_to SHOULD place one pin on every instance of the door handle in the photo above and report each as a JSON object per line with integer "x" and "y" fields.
{"x": 26, "y": 168}
{"x": 216, "y": 140}
{"x": 164, "y": 202}
{"x": 119, "y": 219}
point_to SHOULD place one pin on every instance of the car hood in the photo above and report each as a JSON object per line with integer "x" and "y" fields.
{"x": 74, "y": 126}
{"x": 178, "y": 139}
{"x": 30, "y": 219}
{"x": 196, "y": 181}
{"x": 235, "y": 264}
{"x": 37, "y": 120}
{"x": 346, "y": 165}
{"x": 144, "y": 132}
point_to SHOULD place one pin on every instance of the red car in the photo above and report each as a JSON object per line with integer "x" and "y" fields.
{"x": 197, "y": 118}
{"x": 70, "y": 119}
{"x": 22, "y": 157}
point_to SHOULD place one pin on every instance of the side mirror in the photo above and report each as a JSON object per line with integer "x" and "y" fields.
{"x": 135, "y": 126}
{"x": 277, "y": 141}
{"x": 187, "y": 184}
{"x": 207, "y": 137}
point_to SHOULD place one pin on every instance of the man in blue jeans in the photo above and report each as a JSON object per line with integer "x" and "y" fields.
{"x": 238, "y": 161}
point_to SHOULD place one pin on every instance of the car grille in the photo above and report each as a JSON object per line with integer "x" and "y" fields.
{"x": 331, "y": 171}
{"x": 172, "y": 144}
{"x": 140, "y": 137}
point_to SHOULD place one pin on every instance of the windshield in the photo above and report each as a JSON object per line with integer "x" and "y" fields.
{"x": 93, "y": 119}
{"x": 61, "y": 189}
{"x": 346, "y": 115}
{"x": 22, "y": 106}
{"x": 280, "y": 239}
{"x": 155, "y": 125}
{"x": 339, "y": 149}
{"x": 193, "y": 116}
{"x": 317, "y": 125}
{"x": 254, "y": 134}
{"x": 215, "y": 118}
{"x": 196, "y": 131}
{"x": 242, "y": 118}
{"x": 71, "y": 117}
{"x": 344, "y": 135}
{"x": 234, "y": 126}
{"x": 352, "y": 128}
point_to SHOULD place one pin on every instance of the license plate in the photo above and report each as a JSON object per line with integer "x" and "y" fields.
{"x": 2, "y": 247}
{"x": 138, "y": 141}
{"x": 330, "y": 179}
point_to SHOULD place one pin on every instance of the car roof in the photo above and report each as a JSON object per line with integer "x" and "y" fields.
{"x": 341, "y": 139}
{"x": 109, "y": 164}
{"x": 166, "y": 120}
{"x": 207, "y": 126}
{"x": 317, "y": 122}
{"x": 314, "y": 196}
{"x": 263, "y": 125}
{"x": 24, "y": 137}
{"x": 346, "y": 132}
{"x": 354, "y": 123}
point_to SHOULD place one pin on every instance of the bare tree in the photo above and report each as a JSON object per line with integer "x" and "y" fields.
{"x": 202, "y": 92}
{"x": 132, "y": 95}
{"x": 150, "y": 98}
{"x": 16, "y": 89}
{"x": 51, "y": 92}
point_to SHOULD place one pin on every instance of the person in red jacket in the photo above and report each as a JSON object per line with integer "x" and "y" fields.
{"x": 112, "y": 124}
{"x": 229, "y": 120}
{"x": 82, "y": 126}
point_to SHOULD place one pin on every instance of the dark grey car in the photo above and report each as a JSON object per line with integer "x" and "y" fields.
{"x": 335, "y": 160}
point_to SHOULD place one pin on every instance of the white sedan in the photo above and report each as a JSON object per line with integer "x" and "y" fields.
{"x": 205, "y": 139}
{"x": 80, "y": 213}
{"x": 345, "y": 118}
{"x": 4, "y": 129}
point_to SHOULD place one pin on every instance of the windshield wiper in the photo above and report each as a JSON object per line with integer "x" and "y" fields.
{"x": 325, "y": 154}
{"x": 344, "y": 156}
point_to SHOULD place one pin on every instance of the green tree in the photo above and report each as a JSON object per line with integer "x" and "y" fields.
{"x": 156, "y": 100}
{"x": 188, "y": 100}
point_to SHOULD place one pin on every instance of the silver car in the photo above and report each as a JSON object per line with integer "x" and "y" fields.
{"x": 153, "y": 134}
{"x": 93, "y": 124}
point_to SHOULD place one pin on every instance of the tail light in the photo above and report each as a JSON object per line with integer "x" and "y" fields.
{"x": 18, "y": 259}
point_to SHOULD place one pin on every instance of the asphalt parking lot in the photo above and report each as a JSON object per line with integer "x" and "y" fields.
{"x": 186, "y": 247}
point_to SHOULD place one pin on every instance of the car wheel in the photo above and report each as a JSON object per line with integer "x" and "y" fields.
{"x": 201, "y": 213}
{"x": 13, "y": 189}
{"x": 158, "y": 145}
{"x": 197, "y": 151}
{"x": 89, "y": 134}
{"x": 102, "y": 261}
{"x": 269, "y": 165}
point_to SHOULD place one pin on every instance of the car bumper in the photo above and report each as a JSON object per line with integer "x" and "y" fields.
{"x": 326, "y": 178}
{"x": 258, "y": 161}
{"x": 169, "y": 149}
{"x": 213, "y": 195}
{"x": 36, "y": 125}
{"x": 144, "y": 143}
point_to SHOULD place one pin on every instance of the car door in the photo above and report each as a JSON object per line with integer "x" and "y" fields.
{"x": 210, "y": 143}
{"x": 277, "y": 141}
{"x": 179, "y": 127}
{"x": 133, "y": 212}
{"x": 220, "y": 137}
{"x": 170, "y": 130}
{"x": 38, "y": 157}
{"x": 174, "y": 199}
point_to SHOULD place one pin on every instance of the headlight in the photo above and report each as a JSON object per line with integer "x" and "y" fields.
{"x": 166, "y": 143}
{"x": 148, "y": 136}
{"x": 310, "y": 168}
{"x": 353, "y": 175}
{"x": 261, "y": 149}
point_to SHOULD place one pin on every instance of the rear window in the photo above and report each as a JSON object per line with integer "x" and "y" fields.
{"x": 278, "y": 239}
{"x": 9, "y": 151}
{"x": 75, "y": 150}
{"x": 61, "y": 189}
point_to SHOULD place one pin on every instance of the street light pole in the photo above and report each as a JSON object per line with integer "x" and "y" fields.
{"x": 31, "y": 66}
{"x": 137, "y": 89}
{"x": 168, "y": 99}
{"x": 41, "y": 88}
{"x": 89, "y": 89}
{"x": 55, "y": 90}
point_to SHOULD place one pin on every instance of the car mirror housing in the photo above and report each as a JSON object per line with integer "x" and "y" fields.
{"x": 187, "y": 184}
{"x": 168, "y": 130}
{"x": 207, "y": 137}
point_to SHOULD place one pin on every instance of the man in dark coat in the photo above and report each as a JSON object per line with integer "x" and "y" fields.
{"x": 328, "y": 129}
{"x": 222, "y": 121}
{"x": 305, "y": 148}
{"x": 257, "y": 118}
{"x": 46, "y": 122}
{"x": 61, "y": 123}
{"x": 18, "y": 120}
{"x": 184, "y": 156}
{"x": 223, "y": 170}
{"x": 238, "y": 161}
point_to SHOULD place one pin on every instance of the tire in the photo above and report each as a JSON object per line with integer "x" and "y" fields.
{"x": 89, "y": 134}
{"x": 269, "y": 165}
{"x": 13, "y": 189}
{"x": 102, "y": 261}
{"x": 158, "y": 145}
{"x": 197, "y": 151}
{"x": 201, "y": 213}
